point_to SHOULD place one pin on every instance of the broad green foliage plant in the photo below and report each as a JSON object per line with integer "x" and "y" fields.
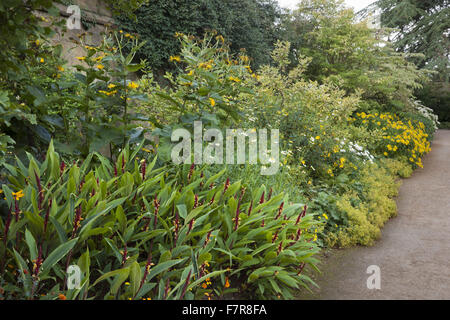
{"x": 104, "y": 95}
{"x": 141, "y": 232}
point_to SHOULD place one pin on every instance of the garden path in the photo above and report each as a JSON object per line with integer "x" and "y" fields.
{"x": 413, "y": 252}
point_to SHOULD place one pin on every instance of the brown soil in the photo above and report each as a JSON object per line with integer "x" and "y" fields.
{"x": 413, "y": 252}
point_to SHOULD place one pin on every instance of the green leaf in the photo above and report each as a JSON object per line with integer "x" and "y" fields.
{"x": 25, "y": 276}
{"x": 135, "y": 277}
{"x": 31, "y": 243}
{"x": 59, "y": 229}
{"x": 111, "y": 274}
{"x": 119, "y": 279}
{"x": 57, "y": 255}
{"x": 209, "y": 275}
{"x": 161, "y": 267}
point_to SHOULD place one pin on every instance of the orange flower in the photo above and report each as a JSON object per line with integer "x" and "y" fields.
{"x": 61, "y": 297}
{"x": 227, "y": 283}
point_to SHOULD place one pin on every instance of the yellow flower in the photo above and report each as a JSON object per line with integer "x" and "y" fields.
{"x": 220, "y": 38}
{"x": 60, "y": 68}
{"x": 385, "y": 153}
{"x": 133, "y": 85}
{"x": 108, "y": 93}
{"x": 174, "y": 58}
{"x": 81, "y": 58}
{"x": 234, "y": 79}
{"x": 205, "y": 65}
{"x": 146, "y": 150}
{"x": 42, "y": 60}
{"x": 37, "y": 42}
{"x": 99, "y": 66}
{"x": 17, "y": 195}
{"x": 212, "y": 101}
{"x": 342, "y": 162}
{"x": 111, "y": 86}
{"x": 61, "y": 297}
{"x": 325, "y": 216}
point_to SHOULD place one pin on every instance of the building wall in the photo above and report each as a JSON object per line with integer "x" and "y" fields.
{"x": 96, "y": 18}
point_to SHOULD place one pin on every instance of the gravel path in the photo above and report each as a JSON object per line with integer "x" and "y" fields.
{"x": 413, "y": 252}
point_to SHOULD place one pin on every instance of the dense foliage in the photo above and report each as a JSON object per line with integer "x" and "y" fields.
{"x": 91, "y": 182}
{"x": 170, "y": 233}
{"x": 421, "y": 27}
{"x": 247, "y": 24}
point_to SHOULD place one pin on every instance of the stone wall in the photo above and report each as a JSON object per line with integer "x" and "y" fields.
{"x": 95, "y": 15}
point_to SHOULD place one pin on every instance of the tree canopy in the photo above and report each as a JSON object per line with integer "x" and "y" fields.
{"x": 248, "y": 24}
{"x": 423, "y": 27}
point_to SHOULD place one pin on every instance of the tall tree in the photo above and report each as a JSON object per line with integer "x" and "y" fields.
{"x": 423, "y": 27}
{"x": 353, "y": 56}
{"x": 249, "y": 24}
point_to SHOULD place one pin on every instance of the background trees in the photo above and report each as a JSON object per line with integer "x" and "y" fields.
{"x": 423, "y": 27}
{"x": 248, "y": 24}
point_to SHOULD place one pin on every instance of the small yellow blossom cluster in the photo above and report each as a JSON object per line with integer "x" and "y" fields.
{"x": 206, "y": 65}
{"x": 133, "y": 85}
{"x": 340, "y": 163}
{"x": 234, "y": 79}
{"x": 401, "y": 137}
{"x": 206, "y": 283}
{"x": 17, "y": 195}
{"x": 175, "y": 58}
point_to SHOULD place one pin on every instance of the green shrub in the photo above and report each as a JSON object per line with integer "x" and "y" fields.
{"x": 368, "y": 207}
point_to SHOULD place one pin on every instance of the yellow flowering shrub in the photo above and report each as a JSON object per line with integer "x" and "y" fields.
{"x": 396, "y": 137}
{"x": 367, "y": 211}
